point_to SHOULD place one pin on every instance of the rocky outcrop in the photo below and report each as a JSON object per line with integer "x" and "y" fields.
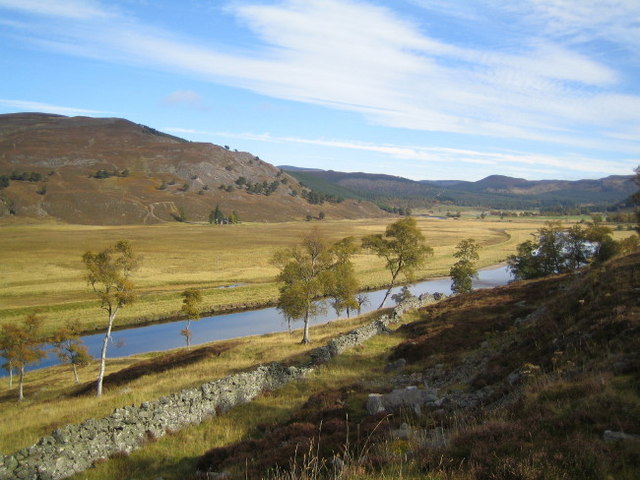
{"x": 75, "y": 448}
{"x": 410, "y": 398}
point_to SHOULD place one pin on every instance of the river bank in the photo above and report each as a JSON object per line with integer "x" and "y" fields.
{"x": 162, "y": 336}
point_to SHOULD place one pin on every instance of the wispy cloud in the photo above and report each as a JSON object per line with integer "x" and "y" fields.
{"x": 515, "y": 161}
{"x": 73, "y": 9}
{"x": 582, "y": 21}
{"x": 186, "y": 98}
{"x": 366, "y": 58}
{"x": 28, "y": 105}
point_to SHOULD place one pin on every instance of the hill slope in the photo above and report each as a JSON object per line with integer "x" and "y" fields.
{"x": 495, "y": 191}
{"x": 510, "y": 384}
{"x": 112, "y": 171}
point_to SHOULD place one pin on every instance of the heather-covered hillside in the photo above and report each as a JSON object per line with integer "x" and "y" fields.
{"x": 111, "y": 171}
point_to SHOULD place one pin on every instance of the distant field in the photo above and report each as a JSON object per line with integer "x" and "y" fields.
{"x": 42, "y": 267}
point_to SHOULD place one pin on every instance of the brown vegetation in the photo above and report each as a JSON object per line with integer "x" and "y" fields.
{"x": 559, "y": 357}
{"x": 325, "y": 428}
{"x": 110, "y": 171}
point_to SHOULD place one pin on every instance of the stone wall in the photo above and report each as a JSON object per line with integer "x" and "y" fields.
{"x": 75, "y": 448}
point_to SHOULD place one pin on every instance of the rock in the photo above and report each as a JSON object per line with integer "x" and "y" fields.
{"x": 410, "y": 397}
{"x": 374, "y": 404}
{"x": 402, "y": 433}
{"x": 219, "y": 476}
{"x": 611, "y": 436}
{"x": 397, "y": 365}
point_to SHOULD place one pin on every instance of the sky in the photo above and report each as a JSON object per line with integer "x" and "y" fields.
{"x": 423, "y": 89}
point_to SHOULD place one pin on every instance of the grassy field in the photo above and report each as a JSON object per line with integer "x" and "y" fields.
{"x": 51, "y": 398}
{"x": 42, "y": 267}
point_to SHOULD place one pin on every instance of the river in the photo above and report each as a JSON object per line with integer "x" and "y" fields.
{"x": 166, "y": 336}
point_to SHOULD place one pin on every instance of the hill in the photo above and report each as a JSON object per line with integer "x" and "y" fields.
{"x": 110, "y": 171}
{"x": 496, "y": 384}
{"x": 494, "y": 192}
{"x": 551, "y": 193}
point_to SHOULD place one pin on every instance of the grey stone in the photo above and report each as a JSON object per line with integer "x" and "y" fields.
{"x": 611, "y": 436}
{"x": 402, "y": 433}
{"x": 397, "y": 365}
{"x": 374, "y": 404}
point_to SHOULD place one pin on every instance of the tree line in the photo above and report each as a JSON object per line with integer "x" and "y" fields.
{"x": 316, "y": 270}
{"x": 558, "y": 249}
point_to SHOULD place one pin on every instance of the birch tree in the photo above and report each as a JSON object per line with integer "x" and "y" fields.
{"x": 21, "y": 345}
{"x": 191, "y": 300}
{"x": 343, "y": 287}
{"x": 305, "y": 276}
{"x": 403, "y": 249}
{"x": 464, "y": 270}
{"x": 69, "y": 348}
{"x": 109, "y": 275}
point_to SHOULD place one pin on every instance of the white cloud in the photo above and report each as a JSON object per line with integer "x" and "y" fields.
{"x": 583, "y": 20}
{"x": 511, "y": 160}
{"x": 187, "y": 98}
{"x": 73, "y": 9}
{"x": 28, "y": 105}
{"x": 362, "y": 57}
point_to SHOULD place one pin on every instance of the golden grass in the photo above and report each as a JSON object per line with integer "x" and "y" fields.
{"x": 49, "y": 402}
{"x": 42, "y": 266}
{"x": 174, "y": 457}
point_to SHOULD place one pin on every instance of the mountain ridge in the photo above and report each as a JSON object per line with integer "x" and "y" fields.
{"x": 493, "y": 191}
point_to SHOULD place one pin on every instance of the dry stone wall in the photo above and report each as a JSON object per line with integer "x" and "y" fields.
{"x": 75, "y": 448}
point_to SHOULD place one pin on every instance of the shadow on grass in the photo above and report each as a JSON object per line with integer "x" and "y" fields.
{"x": 158, "y": 365}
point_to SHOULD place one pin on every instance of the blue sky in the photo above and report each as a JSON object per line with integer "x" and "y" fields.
{"x": 425, "y": 89}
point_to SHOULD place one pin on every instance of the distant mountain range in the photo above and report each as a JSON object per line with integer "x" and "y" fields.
{"x": 493, "y": 192}
{"x": 108, "y": 171}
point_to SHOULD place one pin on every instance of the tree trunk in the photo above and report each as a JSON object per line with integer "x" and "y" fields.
{"x": 385, "y": 296}
{"x": 103, "y": 353}
{"x": 305, "y": 337}
{"x": 10, "y": 376}
{"x": 393, "y": 284}
{"x": 20, "y": 384}
{"x": 75, "y": 372}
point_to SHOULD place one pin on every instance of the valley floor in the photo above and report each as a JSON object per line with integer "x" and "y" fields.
{"x": 43, "y": 270}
